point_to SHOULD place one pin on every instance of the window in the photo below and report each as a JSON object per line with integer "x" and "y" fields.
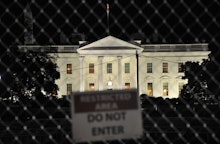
{"x": 127, "y": 67}
{"x": 109, "y": 67}
{"x": 150, "y": 89}
{"x": 165, "y": 89}
{"x": 165, "y": 67}
{"x": 69, "y": 89}
{"x": 149, "y": 68}
{"x": 91, "y": 86}
{"x": 54, "y": 92}
{"x": 180, "y": 87}
{"x": 180, "y": 67}
{"x": 127, "y": 85}
{"x": 69, "y": 68}
{"x": 91, "y": 68}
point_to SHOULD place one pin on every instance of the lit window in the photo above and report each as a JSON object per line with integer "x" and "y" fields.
{"x": 69, "y": 89}
{"x": 91, "y": 86}
{"x": 149, "y": 68}
{"x": 109, "y": 67}
{"x": 110, "y": 84}
{"x": 165, "y": 89}
{"x": 127, "y": 85}
{"x": 165, "y": 67}
{"x": 180, "y": 67}
{"x": 69, "y": 68}
{"x": 54, "y": 92}
{"x": 91, "y": 68}
{"x": 150, "y": 89}
{"x": 127, "y": 67}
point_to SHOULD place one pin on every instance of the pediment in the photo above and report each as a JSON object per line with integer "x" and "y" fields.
{"x": 165, "y": 77}
{"x": 109, "y": 44}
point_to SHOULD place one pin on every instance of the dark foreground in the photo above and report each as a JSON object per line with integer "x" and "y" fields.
{"x": 49, "y": 122}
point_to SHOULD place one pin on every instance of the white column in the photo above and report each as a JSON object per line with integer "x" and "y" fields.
{"x": 119, "y": 73}
{"x": 81, "y": 58}
{"x": 139, "y": 74}
{"x": 100, "y": 72}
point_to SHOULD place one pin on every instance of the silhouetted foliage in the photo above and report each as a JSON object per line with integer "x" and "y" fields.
{"x": 204, "y": 78}
{"x": 24, "y": 74}
{"x": 196, "y": 75}
{"x": 213, "y": 69}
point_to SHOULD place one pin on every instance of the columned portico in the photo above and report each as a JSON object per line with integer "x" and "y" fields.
{"x": 81, "y": 73}
{"x": 100, "y": 72}
{"x": 138, "y": 73}
{"x": 119, "y": 73}
{"x": 111, "y": 51}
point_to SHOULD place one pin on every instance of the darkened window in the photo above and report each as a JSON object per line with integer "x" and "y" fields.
{"x": 91, "y": 68}
{"x": 69, "y": 89}
{"x": 109, "y": 67}
{"x": 149, "y": 67}
{"x": 165, "y": 67}
{"x": 127, "y": 67}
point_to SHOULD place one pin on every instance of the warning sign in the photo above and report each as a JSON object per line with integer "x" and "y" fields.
{"x": 106, "y": 115}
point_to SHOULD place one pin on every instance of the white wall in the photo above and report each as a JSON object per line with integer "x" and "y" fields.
{"x": 173, "y": 77}
{"x": 157, "y": 77}
{"x": 62, "y": 60}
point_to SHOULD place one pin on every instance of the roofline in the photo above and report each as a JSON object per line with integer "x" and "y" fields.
{"x": 130, "y": 43}
{"x": 47, "y": 46}
{"x": 174, "y": 44}
{"x": 135, "y": 46}
{"x": 50, "y": 48}
{"x": 145, "y": 47}
{"x": 175, "y": 47}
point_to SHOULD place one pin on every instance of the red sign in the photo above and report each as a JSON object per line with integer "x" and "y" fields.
{"x": 105, "y": 101}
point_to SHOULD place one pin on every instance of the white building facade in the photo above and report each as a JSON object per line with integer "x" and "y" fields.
{"x": 111, "y": 63}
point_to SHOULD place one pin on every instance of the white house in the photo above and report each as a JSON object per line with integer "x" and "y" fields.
{"x": 111, "y": 63}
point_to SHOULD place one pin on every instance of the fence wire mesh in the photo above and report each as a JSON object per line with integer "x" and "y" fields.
{"x": 28, "y": 117}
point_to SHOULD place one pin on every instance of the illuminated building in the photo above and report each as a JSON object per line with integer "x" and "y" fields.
{"x": 111, "y": 63}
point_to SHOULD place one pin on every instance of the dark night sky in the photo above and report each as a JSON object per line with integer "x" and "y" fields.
{"x": 160, "y": 21}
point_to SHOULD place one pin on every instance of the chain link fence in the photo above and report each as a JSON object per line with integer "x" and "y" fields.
{"x": 48, "y": 120}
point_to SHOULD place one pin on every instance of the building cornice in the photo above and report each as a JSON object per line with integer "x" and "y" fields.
{"x": 175, "y": 47}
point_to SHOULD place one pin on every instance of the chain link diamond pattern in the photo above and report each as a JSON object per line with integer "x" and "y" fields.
{"x": 152, "y": 21}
